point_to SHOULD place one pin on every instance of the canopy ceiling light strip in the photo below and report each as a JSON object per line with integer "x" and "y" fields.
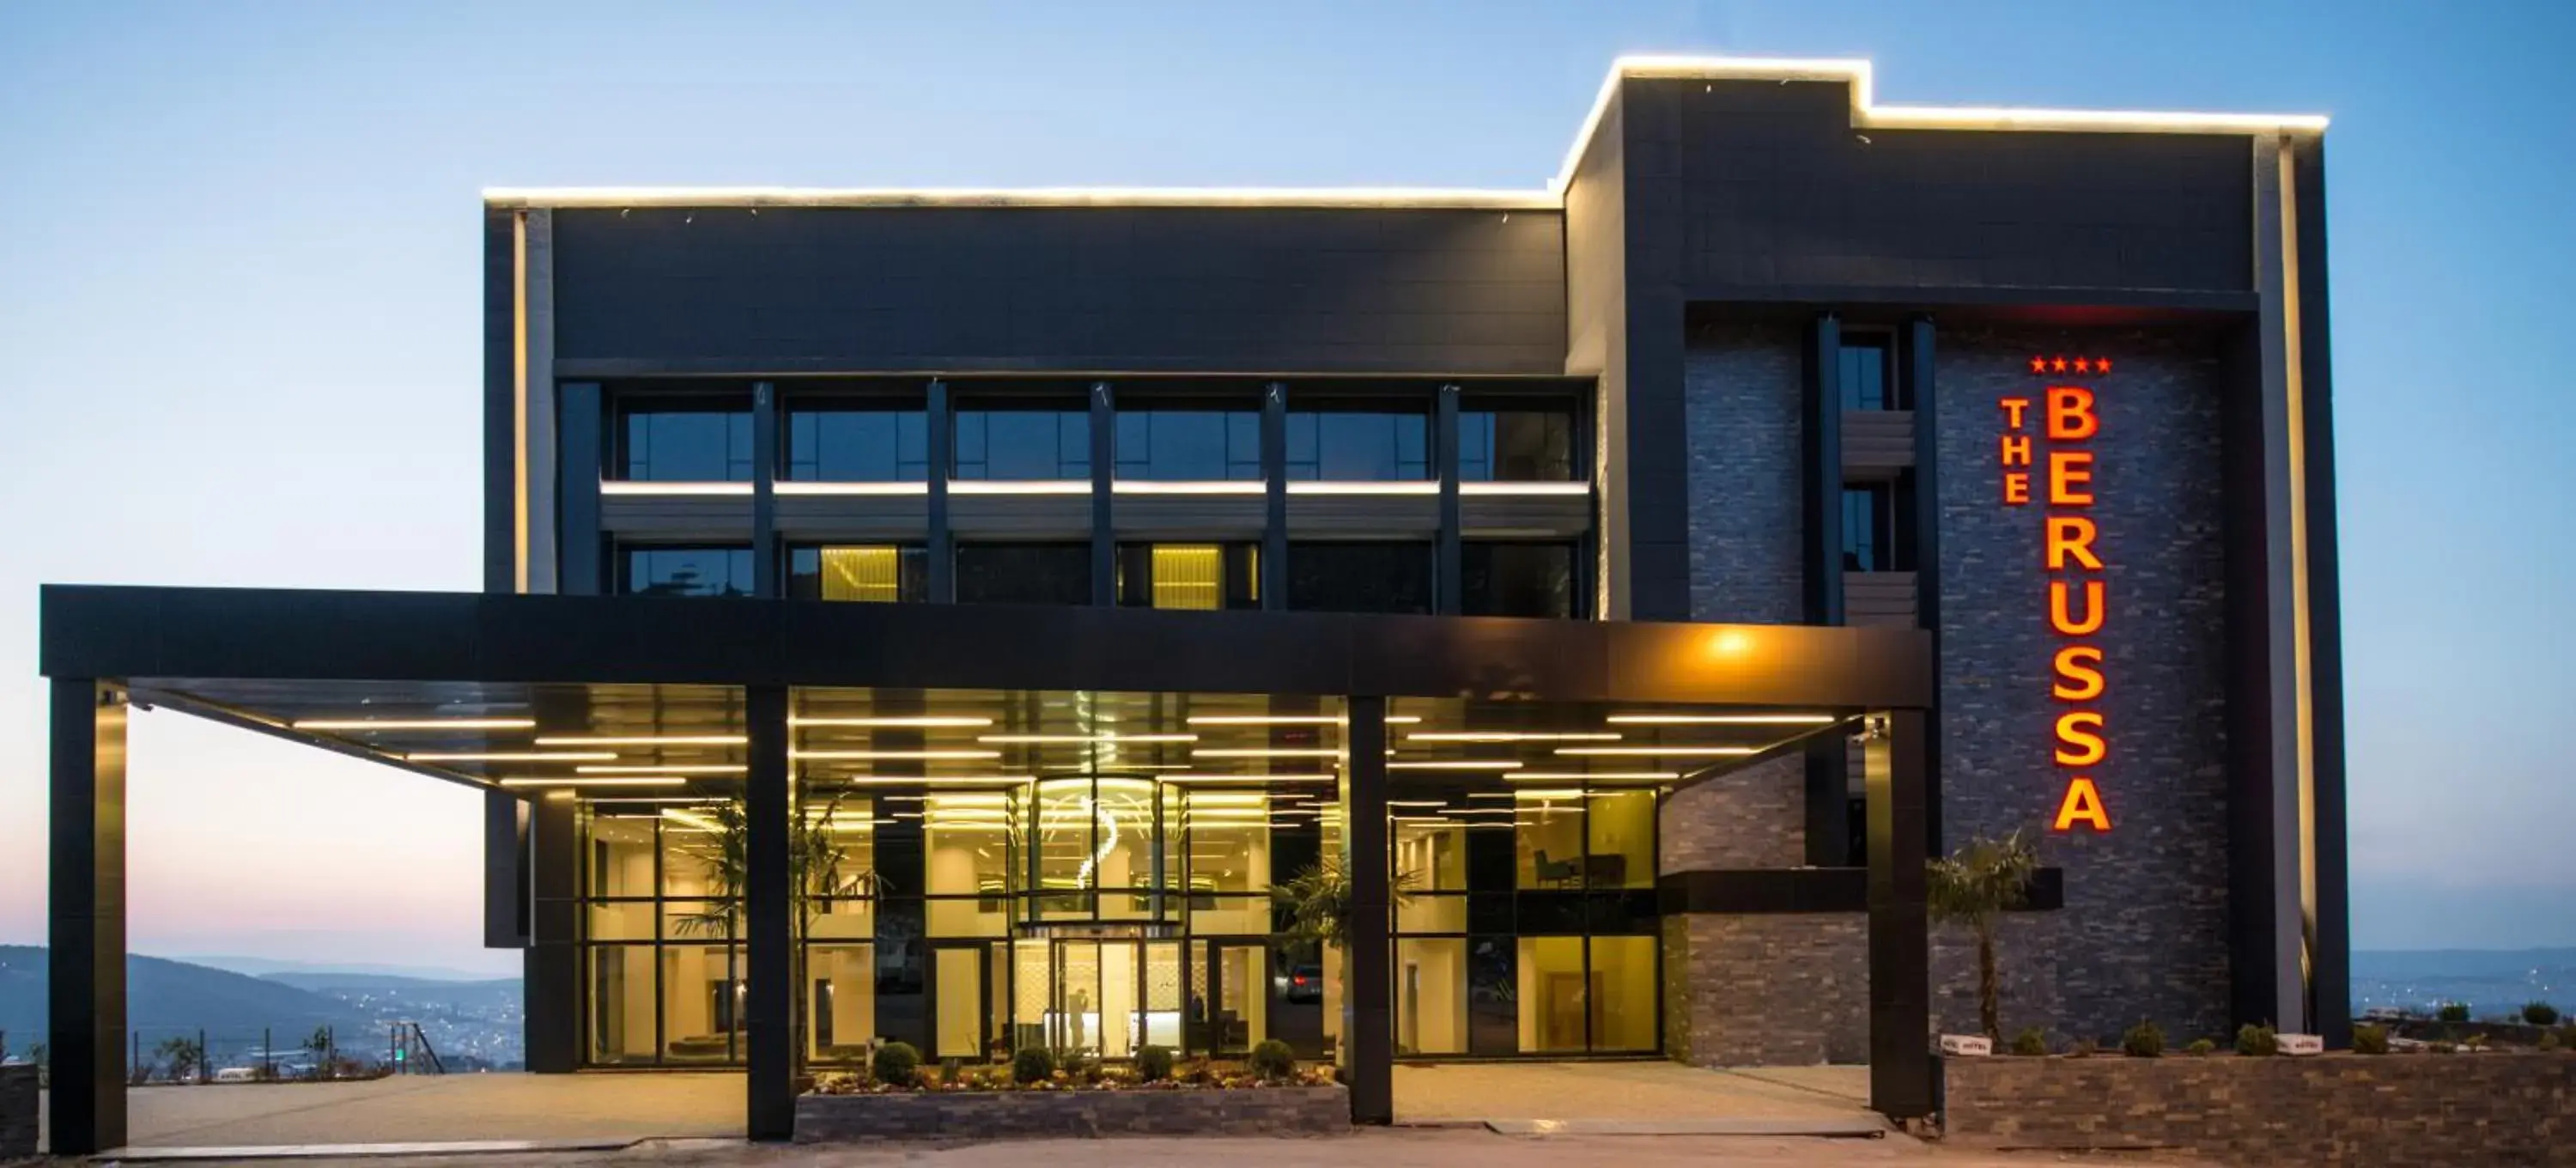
{"x": 1079, "y": 739}
{"x": 898, "y": 722}
{"x": 1511, "y": 736}
{"x": 643, "y": 740}
{"x": 599, "y": 781}
{"x": 895, "y": 755}
{"x": 1721, "y": 719}
{"x": 708, "y": 768}
{"x": 388, "y": 724}
{"x": 1457, "y": 764}
{"x": 1268, "y": 752}
{"x": 1664, "y": 751}
{"x": 510, "y": 756}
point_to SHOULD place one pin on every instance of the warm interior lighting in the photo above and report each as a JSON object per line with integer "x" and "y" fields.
{"x": 1664, "y": 751}
{"x": 600, "y": 781}
{"x": 1509, "y": 736}
{"x": 926, "y": 722}
{"x": 873, "y": 574}
{"x": 895, "y": 755}
{"x": 510, "y": 756}
{"x": 1266, "y": 719}
{"x": 709, "y": 768}
{"x": 644, "y": 740}
{"x": 1457, "y": 764}
{"x": 924, "y": 780}
{"x": 416, "y": 724}
{"x": 1188, "y": 576}
{"x": 1079, "y": 739}
{"x": 1720, "y": 719}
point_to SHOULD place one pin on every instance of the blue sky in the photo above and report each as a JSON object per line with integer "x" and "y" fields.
{"x": 239, "y": 290}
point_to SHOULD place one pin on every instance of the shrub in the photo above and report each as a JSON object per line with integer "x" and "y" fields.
{"x": 952, "y": 1069}
{"x": 2369, "y": 1039}
{"x": 2200, "y": 1046}
{"x": 2540, "y": 1013}
{"x": 1033, "y": 1064}
{"x": 1273, "y": 1061}
{"x": 2144, "y": 1040}
{"x": 2030, "y": 1042}
{"x": 2474, "y": 1042}
{"x": 2083, "y": 1048}
{"x": 2257, "y": 1040}
{"x": 2549, "y": 1040}
{"x": 2442, "y": 1048}
{"x": 2452, "y": 1011}
{"x": 2566, "y": 1033}
{"x": 1153, "y": 1063}
{"x": 896, "y": 1064}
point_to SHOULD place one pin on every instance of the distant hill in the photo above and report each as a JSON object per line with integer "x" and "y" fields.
{"x": 166, "y": 998}
{"x": 268, "y": 966}
{"x": 325, "y": 981}
{"x": 2490, "y": 981}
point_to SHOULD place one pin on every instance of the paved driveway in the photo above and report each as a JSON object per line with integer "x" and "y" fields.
{"x": 422, "y": 1108}
{"x": 1460, "y": 1092}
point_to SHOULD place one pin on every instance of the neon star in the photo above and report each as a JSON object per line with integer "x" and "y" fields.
{"x": 2039, "y": 364}
{"x": 2079, "y": 364}
{"x": 2060, "y": 365}
{"x": 2102, "y": 364}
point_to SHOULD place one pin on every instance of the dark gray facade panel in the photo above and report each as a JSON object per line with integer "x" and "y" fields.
{"x": 85, "y": 937}
{"x": 1742, "y": 434}
{"x": 1085, "y": 288}
{"x": 1772, "y": 187}
{"x": 500, "y": 400}
{"x": 505, "y": 870}
{"x": 2146, "y": 932}
{"x": 2330, "y": 975}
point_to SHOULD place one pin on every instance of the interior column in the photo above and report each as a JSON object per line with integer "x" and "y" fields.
{"x": 1900, "y": 950}
{"x": 770, "y": 990}
{"x": 1368, "y": 1033}
{"x": 85, "y": 958}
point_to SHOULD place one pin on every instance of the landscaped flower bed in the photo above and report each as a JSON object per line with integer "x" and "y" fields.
{"x": 1032, "y": 1097}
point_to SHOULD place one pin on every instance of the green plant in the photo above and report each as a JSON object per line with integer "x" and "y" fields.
{"x": 1154, "y": 1063}
{"x": 2144, "y": 1040}
{"x": 819, "y": 871}
{"x": 2549, "y": 1040}
{"x": 1033, "y": 1064}
{"x": 2200, "y": 1047}
{"x": 896, "y": 1064}
{"x": 1272, "y": 1061}
{"x": 185, "y": 1056}
{"x": 2257, "y": 1040}
{"x": 2540, "y": 1013}
{"x": 2083, "y": 1048}
{"x": 2452, "y": 1011}
{"x": 2474, "y": 1042}
{"x": 2369, "y": 1039}
{"x": 325, "y": 1057}
{"x": 2443, "y": 1048}
{"x": 1318, "y": 901}
{"x": 2566, "y": 1033}
{"x": 952, "y": 1069}
{"x": 1975, "y": 886}
{"x": 2030, "y": 1043}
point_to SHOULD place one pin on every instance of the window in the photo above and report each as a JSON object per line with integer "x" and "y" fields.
{"x": 1024, "y": 573}
{"x": 1360, "y": 577}
{"x": 1351, "y": 445}
{"x": 1026, "y": 441}
{"x": 1869, "y": 525}
{"x": 851, "y": 445}
{"x": 1865, "y": 376}
{"x": 1507, "y": 441}
{"x": 685, "y": 443}
{"x": 1190, "y": 575}
{"x": 1189, "y": 444}
{"x": 880, "y": 573}
{"x": 1517, "y": 579}
{"x": 687, "y": 571}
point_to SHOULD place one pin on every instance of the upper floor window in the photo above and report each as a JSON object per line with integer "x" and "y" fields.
{"x": 1865, "y": 376}
{"x": 878, "y": 572}
{"x": 1360, "y": 577}
{"x": 1517, "y": 579}
{"x": 685, "y": 442}
{"x": 686, "y": 571}
{"x": 1360, "y": 442}
{"x": 1024, "y": 439}
{"x": 1869, "y": 528}
{"x": 853, "y": 444}
{"x": 1024, "y": 573}
{"x": 1500, "y": 440}
{"x": 1189, "y": 575}
{"x": 1188, "y": 441}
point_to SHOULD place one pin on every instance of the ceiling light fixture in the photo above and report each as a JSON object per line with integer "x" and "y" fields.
{"x": 510, "y": 756}
{"x": 896, "y": 722}
{"x": 712, "y": 768}
{"x": 374, "y": 724}
{"x": 1511, "y": 736}
{"x": 1664, "y": 751}
{"x": 600, "y": 781}
{"x": 895, "y": 755}
{"x": 645, "y": 740}
{"x": 1720, "y": 719}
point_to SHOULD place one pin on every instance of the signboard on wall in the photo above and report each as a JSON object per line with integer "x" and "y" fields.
{"x": 2046, "y": 455}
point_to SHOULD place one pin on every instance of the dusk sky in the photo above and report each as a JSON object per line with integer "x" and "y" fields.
{"x": 240, "y": 329}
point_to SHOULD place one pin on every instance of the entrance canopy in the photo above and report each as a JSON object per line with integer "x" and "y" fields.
{"x": 1139, "y": 731}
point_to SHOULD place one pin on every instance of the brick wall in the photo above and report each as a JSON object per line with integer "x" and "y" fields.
{"x": 2397, "y": 1111}
{"x": 2144, "y": 931}
{"x": 1766, "y": 989}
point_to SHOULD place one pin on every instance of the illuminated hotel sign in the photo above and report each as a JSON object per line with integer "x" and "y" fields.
{"x": 2060, "y": 476}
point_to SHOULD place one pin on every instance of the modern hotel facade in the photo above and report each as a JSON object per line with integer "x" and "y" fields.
{"x": 955, "y": 617}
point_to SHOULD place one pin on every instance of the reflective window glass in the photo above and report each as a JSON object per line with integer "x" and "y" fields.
{"x": 1360, "y": 577}
{"x": 858, "y": 446}
{"x": 687, "y": 445}
{"x": 1024, "y": 573}
{"x": 1517, "y": 579}
{"x": 1023, "y": 444}
{"x": 687, "y": 571}
{"x": 1515, "y": 443}
{"x": 1862, "y": 373}
{"x": 1189, "y": 445}
{"x": 883, "y": 572}
{"x": 1359, "y": 446}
